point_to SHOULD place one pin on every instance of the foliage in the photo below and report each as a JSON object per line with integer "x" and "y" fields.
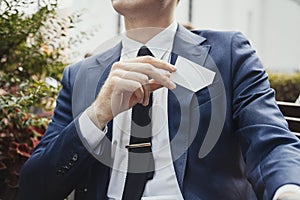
{"x": 20, "y": 128}
{"x": 32, "y": 48}
{"x": 287, "y": 86}
{"x": 34, "y": 44}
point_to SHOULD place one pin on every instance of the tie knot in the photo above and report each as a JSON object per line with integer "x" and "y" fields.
{"x": 144, "y": 51}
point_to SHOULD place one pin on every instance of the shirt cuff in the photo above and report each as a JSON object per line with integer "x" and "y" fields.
{"x": 288, "y": 191}
{"x": 90, "y": 132}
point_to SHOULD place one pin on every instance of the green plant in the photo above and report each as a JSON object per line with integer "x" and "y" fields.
{"x": 287, "y": 86}
{"x": 34, "y": 44}
{"x": 32, "y": 47}
{"x": 20, "y": 128}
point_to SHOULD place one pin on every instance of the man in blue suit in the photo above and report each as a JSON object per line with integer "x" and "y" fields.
{"x": 224, "y": 140}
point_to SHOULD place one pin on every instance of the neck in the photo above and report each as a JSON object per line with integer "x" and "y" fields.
{"x": 145, "y": 33}
{"x": 142, "y": 30}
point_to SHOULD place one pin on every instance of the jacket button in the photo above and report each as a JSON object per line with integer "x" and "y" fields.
{"x": 75, "y": 157}
{"x": 66, "y": 167}
{"x": 60, "y": 172}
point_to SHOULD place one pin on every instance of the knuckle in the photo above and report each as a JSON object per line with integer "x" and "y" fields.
{"x": 148, "y": 58}
{"x": 149, "y": 68}
{"x": 115, "y": 72}
{"x": 165, "y": 65}
{"x": 114, "y": 80}
{"x": 116, "y": 65}
{"x": 144, "y": 78}
{"x": 165, "y": 79}
{"x": 136, "y": 86}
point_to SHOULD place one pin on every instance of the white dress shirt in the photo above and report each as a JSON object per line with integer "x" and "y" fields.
{"x": 164, "y": 184}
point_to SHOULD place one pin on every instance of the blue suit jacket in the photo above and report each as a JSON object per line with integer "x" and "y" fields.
{"x": 228, "y": 140}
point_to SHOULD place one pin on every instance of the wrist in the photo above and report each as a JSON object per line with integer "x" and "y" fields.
{"x": 97, "y": 117}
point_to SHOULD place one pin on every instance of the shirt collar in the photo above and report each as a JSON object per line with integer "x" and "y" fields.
{"x": 159, "y": 45}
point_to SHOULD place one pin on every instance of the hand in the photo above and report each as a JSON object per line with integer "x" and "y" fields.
{"x": 129, "y": 82}
{"x": 291, "y": 195}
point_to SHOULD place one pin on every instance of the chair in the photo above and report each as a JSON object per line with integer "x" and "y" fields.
{"x": 291, "y": 112}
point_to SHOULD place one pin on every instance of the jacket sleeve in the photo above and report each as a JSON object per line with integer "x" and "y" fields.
{"x": 271, "y": 152}
{"x": 60, "y": 160}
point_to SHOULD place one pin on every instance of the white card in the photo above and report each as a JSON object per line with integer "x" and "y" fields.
{"x": 191, "y": 75}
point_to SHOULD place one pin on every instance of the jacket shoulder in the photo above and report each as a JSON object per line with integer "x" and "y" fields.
{"x": 223, "y": 39}
{"x": 217, "y": 35}
{"x": 72, "y": 70}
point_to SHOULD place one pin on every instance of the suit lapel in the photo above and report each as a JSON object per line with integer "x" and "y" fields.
{"x": 106, "y": 61}
{"x": 188, "y": 45}
{"x": 181, "y": 101}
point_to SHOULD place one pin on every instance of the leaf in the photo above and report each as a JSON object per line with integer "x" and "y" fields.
{"x": 34, "y": 142}
{"x": 23, "y": 150}
{"x": 36, "y": 131}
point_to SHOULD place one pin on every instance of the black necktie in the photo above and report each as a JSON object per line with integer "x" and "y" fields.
{"x": 140, "y": 158}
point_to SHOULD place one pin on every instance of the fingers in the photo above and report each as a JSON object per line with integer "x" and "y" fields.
{"x": 154, "y": 62}
{"x": 132, "y": 82}
{"x": 141, "y": 93}
{"x": 158, "y": 72}
{"x": 140, "y": 70}
{"x": 146, "y": 89}
{"x": 154, "y": 86}
{"x": 130, "y": 87}
{"x": 131, "y": 75}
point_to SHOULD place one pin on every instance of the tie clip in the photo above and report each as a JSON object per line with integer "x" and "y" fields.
{"x": 140, "y": 145}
